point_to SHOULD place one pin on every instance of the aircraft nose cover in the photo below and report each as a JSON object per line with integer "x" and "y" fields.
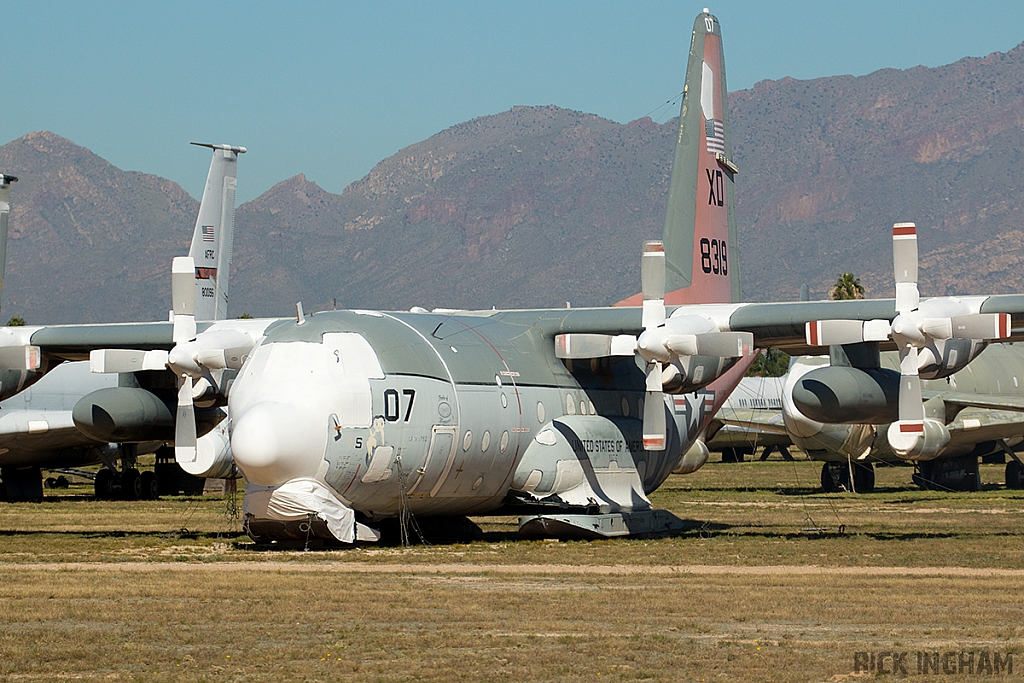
{"x": 274, "y": 442}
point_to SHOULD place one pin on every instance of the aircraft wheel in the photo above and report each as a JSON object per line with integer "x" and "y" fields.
{"x": 732, "y": 455}
{"x": 1014, "y": 475}
{"x": 131, "y": 485}
{"x": 923, "y": 476}
{"x": 863, "y": 478}
{"x": 62, "y": 482}
{"x": 150, "y": 486}
{"x": 50, "y": 482}
{"x": 103, "y": 484}
{"x": 832, "y": 473}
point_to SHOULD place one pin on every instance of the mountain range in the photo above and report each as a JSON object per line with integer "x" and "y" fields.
{"x": 540, "y": 206}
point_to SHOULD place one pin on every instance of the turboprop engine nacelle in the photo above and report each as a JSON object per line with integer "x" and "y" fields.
{"x": 846, "y": 395}
{"x": 131, "y": 415}
{"x": 820, "y": 439}
{"x": 929, "y": 444}
{"x": 212, "y": 458}
{"x": 947, "y": 356}
{"x": 692, "y": 373}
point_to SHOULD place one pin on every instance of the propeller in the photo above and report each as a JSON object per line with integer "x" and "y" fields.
{"x": 191, "y": 359}
{"x": 915, "y": 330}
{"x": 662, "y": 343}
{"x": 183, "y": 291}
{"x": 649, "y": 346}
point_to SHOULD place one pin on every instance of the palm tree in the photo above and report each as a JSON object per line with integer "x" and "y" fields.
{"x": 846, "y": 287}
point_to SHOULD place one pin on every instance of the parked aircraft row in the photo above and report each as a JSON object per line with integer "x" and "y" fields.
{"x": 342, "y": 420}
{"x": 47, "y": 426}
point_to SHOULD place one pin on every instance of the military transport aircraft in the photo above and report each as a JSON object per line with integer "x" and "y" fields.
{"x": 978, "y": 407}
{"x": 343, "y": 419}
{"x": 853, "y": 407}
{"x": 38, "y": 429}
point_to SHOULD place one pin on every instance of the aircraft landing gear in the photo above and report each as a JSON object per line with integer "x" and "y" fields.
{"x": 21, "y": 484}
{"x": 734, "y": 454}
{"x": 835, "y": 477}
{"x": 1014, "y": 475}
{"x": 150, "y": 485}
{"x": 951, "y": 474}
{"x": 129, "y": 483}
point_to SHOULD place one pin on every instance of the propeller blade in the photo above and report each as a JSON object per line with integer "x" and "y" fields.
{"x": 582, "y": 346}
{"x": 654, "y": 411}
{"x": 652, "y": 278}
{"x": 905, "y": 432}
{"x": 126, "y": 360}
{"x": 185, "y": 424}
{"x": 183, "y": 294}
{"x": 980, "y": 326}
{"x": 904, "y": 265}
{"x": 725, "y": 344}
{"x": 829, "y": 332}
{"x": 20, "y": 357}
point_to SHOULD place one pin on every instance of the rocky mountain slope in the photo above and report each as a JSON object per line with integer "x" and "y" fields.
{"x": 538, "y": 206}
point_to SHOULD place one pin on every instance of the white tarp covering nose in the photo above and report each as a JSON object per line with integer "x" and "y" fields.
{"x": 297, "y": 499}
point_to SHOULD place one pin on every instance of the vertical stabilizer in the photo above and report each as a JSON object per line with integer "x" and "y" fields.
{"x": 702, "y": 261}
{"x": 700, "y": 225}
{"x": 211, "y": 239}
{"x": 5, "y": 212}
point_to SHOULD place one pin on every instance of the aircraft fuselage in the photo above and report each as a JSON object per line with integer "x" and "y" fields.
{"x": 440, "y": 409}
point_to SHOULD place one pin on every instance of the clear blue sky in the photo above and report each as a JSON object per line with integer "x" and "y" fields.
{"x": 330, "y": 88}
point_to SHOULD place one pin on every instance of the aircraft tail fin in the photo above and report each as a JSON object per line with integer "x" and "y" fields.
{"x": 211, "y": 239}
{"x": 700, "y": 224}
{"x": 702, "y": 260}
{"x": 5, "y": 211}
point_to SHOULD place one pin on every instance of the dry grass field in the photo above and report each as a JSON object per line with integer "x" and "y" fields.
{"x": 774, "y": 581}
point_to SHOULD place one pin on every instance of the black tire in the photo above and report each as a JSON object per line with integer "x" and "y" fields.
{"x": 50, "y": 482}
{"x": 62, "y": 482}
{"x": 150, "y": 486}
{"x": 103, "y": 484}
{"x": 131, "y": 485}
{"x": 828, "y": 481}
{"x": 1014, "y": 475}
{"x": 863, "y": 478}
{"x": 732, "y": 455}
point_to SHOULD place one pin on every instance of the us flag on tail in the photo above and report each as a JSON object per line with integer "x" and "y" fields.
{"x": 714, "y": 134}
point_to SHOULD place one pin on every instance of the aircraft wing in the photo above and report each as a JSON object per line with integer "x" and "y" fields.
{"x": 41, "y": 430}
{"x": 780, "y": 325}
{"x": 773, "y": 325}
{"x": 974, "y": 426}
{"x": 989, "y": 401}
{"x": 753, "y": 420}
{"x": 74, "y": 342}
